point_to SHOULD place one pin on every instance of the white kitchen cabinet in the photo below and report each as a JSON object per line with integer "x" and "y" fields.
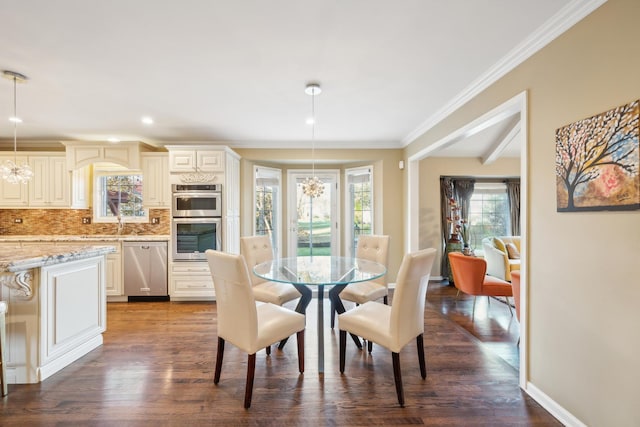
{"x": 196, "y": 160}
{"x": 82, "y": 153}
{"x": 190, "y": 281}
{"x": 113, "y": 267}
{"x": 80, "y": 188}
{"x": 50, "y": 185}
{"x": 156, "y": 189}
{"x": 231, "y": 204}
{"x": 114, "y": 283}
{"x": 13, "y": 195}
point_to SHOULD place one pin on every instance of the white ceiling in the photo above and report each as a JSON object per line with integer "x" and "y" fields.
{"x": 235, "y": 71}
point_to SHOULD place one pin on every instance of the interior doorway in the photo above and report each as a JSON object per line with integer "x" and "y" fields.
{"x": 516, "y": 105}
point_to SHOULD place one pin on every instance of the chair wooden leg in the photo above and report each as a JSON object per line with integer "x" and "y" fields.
{"x": 370, "y": 346}
{"x": 423, "y": 365}
{"x": 356, "y": 340}
{"x": 397, "y": 376}
{"x": 251, "y": 371}
{"x": 473, "y": 311}
{"x": 300, "y": 339}
{"x": 268, "y": 349}
{"x": 219, "y": 356}
{"x": 385, "y": 300}
{"x": 343, "y": 349}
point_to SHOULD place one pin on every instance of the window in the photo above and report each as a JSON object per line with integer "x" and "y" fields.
{"x": 267, "y": 202}
{"x": 359, "y": 205}
{"x": 488, "y": 213}
{"x": 118, "y": 192}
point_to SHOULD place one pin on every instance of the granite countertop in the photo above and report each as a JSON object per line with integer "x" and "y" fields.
{"x": 21, "y": 259}
{"x": 88, "y": 237}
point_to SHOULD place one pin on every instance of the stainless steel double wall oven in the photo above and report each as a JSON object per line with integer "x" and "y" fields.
{"x": 196, "y": 223}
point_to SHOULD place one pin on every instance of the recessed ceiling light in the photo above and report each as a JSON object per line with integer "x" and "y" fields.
{"x": 113, "y": 140}
{"x": 147, "y": 120}
{"x": 310, "y": 121}
{"x": 15, "y": 119}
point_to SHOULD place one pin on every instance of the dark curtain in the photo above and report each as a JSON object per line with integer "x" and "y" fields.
{"x": 446, "y": 193}
{"x": 513, "y": 192}
{"x": 463, "y": 190}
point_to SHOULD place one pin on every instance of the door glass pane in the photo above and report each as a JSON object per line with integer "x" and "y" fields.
{"x": 267, "y": 205}
{"x": 314, "y": 222}
{"x": 359, "y": 205}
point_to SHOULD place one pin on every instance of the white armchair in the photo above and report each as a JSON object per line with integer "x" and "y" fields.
{"x": 499, "y": 263}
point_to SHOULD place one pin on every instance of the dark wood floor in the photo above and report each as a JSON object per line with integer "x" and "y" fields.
{"x": 156, "y": 368}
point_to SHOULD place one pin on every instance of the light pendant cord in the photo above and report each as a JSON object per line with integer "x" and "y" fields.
{"x": 10, "y": 170}
{"x": 313, "y": 135}
{"x": 15, "y": 122}
{"x": 312, "y": 186}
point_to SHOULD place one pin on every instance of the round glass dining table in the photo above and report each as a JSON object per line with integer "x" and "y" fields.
{"x": 307, "y": 272}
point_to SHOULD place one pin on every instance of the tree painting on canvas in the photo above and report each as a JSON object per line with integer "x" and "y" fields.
{"x": 597, "y": 161}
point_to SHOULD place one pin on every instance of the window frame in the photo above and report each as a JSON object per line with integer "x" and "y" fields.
{"x": 488, "y": 188}
{"x": 350, "y": 176}
{"x": 268, "y": 173}
{"x": 101, "y": 171}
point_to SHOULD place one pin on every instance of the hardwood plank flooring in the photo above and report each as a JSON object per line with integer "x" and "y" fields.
{"x": 492, "y": 323}
{"x": 157, "y": 363}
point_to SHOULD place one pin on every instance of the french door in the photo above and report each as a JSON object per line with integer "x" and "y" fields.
{"x": 314, "y": 222}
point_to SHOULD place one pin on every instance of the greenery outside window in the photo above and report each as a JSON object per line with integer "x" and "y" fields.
{"x": 118, "y": 194}
{"x": 488, "y": 213}
{"x": 267, "y": 205}
{"x": 359, "y": 204}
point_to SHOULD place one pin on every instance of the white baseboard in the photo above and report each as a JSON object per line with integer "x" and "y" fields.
{"x": 564, "y": 416}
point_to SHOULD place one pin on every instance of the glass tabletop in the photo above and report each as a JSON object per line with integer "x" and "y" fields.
{"x": 319, "y": 270}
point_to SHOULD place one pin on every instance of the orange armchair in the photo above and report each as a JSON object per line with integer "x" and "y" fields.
{"x": 470, "y": 277}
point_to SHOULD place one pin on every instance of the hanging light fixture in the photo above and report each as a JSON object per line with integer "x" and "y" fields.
{"x": 312, "y": 186}
{"x": 10, "y": 170}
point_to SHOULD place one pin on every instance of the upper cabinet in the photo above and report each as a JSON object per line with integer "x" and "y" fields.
{"x": 13, "y": 195}
{"x": 48, "y": 188}
{"x": 84, "y": 153}
{"x": 156, "y": 190}
{"x": 50, "y": 185}
{"x": 196, "y": 160}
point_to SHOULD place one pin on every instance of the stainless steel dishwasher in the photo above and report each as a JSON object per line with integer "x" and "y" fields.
{"x": 145, "y": 269}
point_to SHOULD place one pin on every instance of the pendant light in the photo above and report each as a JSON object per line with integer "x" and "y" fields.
{"x": 312, "y": 186}
{"x": 10, "y": 170}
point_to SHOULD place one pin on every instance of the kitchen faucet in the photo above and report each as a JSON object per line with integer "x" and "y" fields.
{"x": 120, "y": 224}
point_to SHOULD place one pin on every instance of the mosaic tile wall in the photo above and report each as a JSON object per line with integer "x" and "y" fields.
{"x": 69, "y": 222}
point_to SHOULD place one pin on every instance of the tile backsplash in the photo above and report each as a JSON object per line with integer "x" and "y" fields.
{"x": 19, "y": 222}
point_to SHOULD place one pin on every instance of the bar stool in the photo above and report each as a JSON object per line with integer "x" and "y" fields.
{"x": 3, "y": 373}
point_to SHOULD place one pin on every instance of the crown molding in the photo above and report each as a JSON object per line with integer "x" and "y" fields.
{"x": 567, "y": 17}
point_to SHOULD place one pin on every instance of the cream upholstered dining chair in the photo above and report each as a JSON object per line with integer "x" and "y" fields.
{"x": 242, "y": 322}
{"x": 372, "y": 248}
{"x": 394, "y": 326}
{"x": 256, "y": 250}
{"x": 3, "y": 370}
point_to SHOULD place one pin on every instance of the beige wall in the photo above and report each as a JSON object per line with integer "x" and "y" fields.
{"x": 431, "y": 169}
{"x": 584, "y": 268}
{"x": 388, "y": 178}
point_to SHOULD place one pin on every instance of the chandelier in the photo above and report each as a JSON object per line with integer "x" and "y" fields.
{"x": 312, "y": 186}
{"x": 10, "y": 170}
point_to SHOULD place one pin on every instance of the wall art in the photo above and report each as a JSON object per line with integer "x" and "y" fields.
{"x": 597, "y": 161}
